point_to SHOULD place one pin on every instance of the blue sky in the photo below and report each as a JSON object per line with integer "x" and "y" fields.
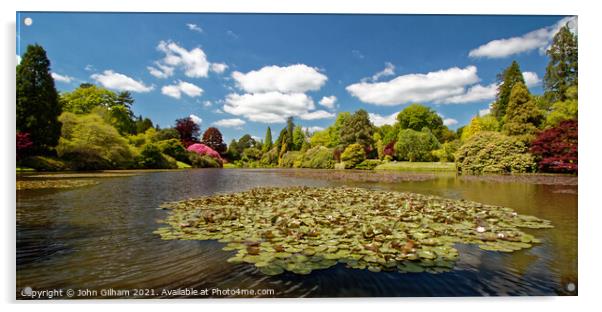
{"x": 243, "y": 72}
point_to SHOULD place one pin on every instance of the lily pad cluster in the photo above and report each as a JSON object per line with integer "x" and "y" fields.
{"x": 301, "y": 229}
{"x": 52, "y": 184}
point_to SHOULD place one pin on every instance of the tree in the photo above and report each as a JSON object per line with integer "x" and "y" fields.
{"x": 493, "y": 152}
{"x": 188, "y": 130}
{"x": 523, "y": 117}
{"x": 353, "y": 155}
{"x": 357, "y": 129}
{"x": 91, "y": 143}
{"x": 290, "y": 126}
{"x": 86, "y": 97}
{"x": 416, "y": 145}
{"x": 24, "y": 144}
{"x": 478, "y": 124}
{"x": 213, "y": 138}
{"x": 563, "y": 110}
{"x": 417, "y": 117}
{"x": 562, "y": 69}
{"x": 142, "y": 125}
{"x": 506, "y": 81}
{"x": 298, "y": 138}
{"x": 556, "y": 149}
{"x": 267, "y": 144}
{"x": 38, "y": 105}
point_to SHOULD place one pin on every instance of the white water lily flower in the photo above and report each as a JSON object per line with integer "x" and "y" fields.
{"x": 480, "y": 229}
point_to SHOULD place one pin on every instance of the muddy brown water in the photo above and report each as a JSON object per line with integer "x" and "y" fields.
{"x": 100, "y": 237}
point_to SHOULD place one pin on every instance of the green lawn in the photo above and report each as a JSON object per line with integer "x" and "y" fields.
{"x": 417, "y": 166}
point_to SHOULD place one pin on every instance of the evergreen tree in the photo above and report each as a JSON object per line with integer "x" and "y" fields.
{"x": 523, "y": 117}
{"x": 267, "y": 144}
{"x": 298, "y": 138}
{"x": 358, "y": 129}
{"x": 561, "y": 72}
{"x": 507, "y": 79}
{"x": 38, "y": 105}
{"x": 290, "y": 127}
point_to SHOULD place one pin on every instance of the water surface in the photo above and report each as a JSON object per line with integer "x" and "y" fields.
{"x": 101, "y": 237}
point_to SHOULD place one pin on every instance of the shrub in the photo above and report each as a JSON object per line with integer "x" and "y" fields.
{"x": 447, "y": 151}
{"x": 92, "y": 144}
{"x": 318, "y": 157}
{"x": 41, "y": 163}
{"x": 389, "y": 150}
{"x": 203, "y": 149}
{"x": 353, "y": 155}
{"x": 556, "y": 148}
{"x": 270, "y": 158}
{"x": 289, "y": 159}
{"x": 173, "y": 148}
{"x": 493, "y": 152}
{"x": 416, "y": 145}
{"x": 203, "y": 161}
{"x": 24, "y": 144}
{"x": 251, "y": 154}
{"x": 368, "y": 164}
{"x": 151, "y": 158}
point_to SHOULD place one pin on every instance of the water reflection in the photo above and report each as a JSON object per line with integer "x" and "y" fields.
{"x": 101, "y": 236}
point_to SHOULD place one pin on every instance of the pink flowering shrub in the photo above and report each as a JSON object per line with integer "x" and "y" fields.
{"x": 203, "y": 149}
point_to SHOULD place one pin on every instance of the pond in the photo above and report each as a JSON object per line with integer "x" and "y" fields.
{"x": 100, "y": 236}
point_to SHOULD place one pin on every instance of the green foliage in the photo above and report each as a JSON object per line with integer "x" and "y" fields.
{"x": 90, "y": 143}
{"x": 321, "y": 138}
{"x": 389, "y": 133}
{"x": 42, "y": 163}
{"x": 368, "y": 164}
{"x": 493, "y": 152}
{"x": 290, "y": 159}
{"x": 563, "y": 110}
{"x": 353, "y": 155}
{"x": 37, "y": 100}
{"x": 562, "y": 69}
{"x": 318, "y": 157}
{"x": 251, "y": 154}
{"x": 298, "y": 138}
{"x": 523, "y": 117}
{"x": 417, "y": 117}
{"x": 151, "y": 158}
{"x": 507, "y": 79}
{"x": 202, "y": 161}
{"x": 415, "y": 145}
{"x": 167, "y": 134}
{"x": 478, "y": 124}
{"x": 270, "y": 158}
{"x": 267, "y": 144}
{"x": 357, "y": 129}
{"x": 174, "y": 148}
{"x": 142, "y": 138}
{"x": 447, "y": 151}
{"x": 143, "y": 124}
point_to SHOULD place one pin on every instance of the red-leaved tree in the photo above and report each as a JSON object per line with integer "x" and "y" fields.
{"x": 213, "y": 138}
{"x": 24, "y": 144}
{"x": 188, "y": 130}
{"x": 556, "y": 148}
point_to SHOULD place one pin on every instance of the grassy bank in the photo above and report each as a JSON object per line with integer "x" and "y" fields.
{"x": 417, "y": 166}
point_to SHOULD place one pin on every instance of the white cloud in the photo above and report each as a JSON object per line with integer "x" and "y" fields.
{"x": 120, "y": 82}
{"x": 319, "y": 114}
{"x": 187, "y": 88}
{"x": 485, "y": 111}
{"x": 473, "y": 94}
{"x": 230, "y": 123}
{"x": 160, "y": 71}
{"x": 290, "y": 79}
{"x": 328, "y": 101}
{"x": 429, "y": 87}
{"x": 18, "y": 59}
{"x": 531, "y": 79}
{"x": 207, "y": 103}
{"x": 232, "y": 34}
{"x": 449, "y": 122}
{"x": 61, "y": 78}
{"x": 388, "y": 71}
{"x": 269, "y": 107}
{"x": 193, "y": 62}
{"x": 89, "y": 67}
{"x": 537, "y": 39}
{"x": 312, "y": 129}
{"x": 194, "y": 27}
{"x": 380, "y": 120}
{"x": 218, "y": 67}
{"x": 196, "y": 119}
